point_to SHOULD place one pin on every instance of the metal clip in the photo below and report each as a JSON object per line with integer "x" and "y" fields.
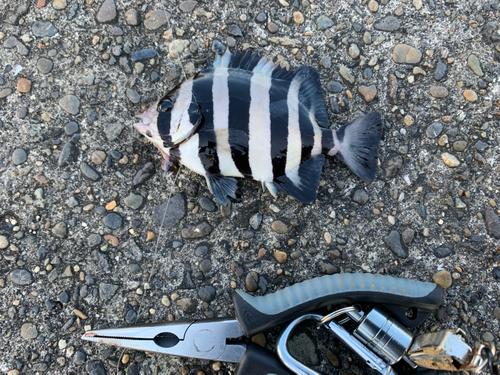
{"x": 447, "y": 350}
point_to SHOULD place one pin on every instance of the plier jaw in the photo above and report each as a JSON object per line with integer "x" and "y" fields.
{"x": 205, "y": 339}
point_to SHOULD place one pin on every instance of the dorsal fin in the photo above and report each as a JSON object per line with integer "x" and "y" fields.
{"x": 310, "y": 92}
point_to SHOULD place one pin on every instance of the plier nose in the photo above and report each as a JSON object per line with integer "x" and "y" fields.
{"x": 196, "y": 339}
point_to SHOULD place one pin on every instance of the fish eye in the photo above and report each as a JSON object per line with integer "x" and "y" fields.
{"x": 148, "y": 134}
{"x": 165, "y": 106}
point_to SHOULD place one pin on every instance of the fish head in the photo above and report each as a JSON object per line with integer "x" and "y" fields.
{"x": 172, "y": 120}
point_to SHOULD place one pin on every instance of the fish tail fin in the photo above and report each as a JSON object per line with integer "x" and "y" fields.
{"x": 355, "y": 144}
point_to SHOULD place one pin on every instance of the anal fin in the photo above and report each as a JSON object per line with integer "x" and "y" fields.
{"x": 222, "y": 187}
{"x": 305, "y": 189}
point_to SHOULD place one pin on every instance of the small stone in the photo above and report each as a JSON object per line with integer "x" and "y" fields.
{"x": 438, "y": 91}
{"x": 488, "y": 337}
{"x": 206, "y": 293}
{"x": 408, "y": 120}
{"x": 70, "y": 104}
{"x": 59, "y": 4}
{"x": 98, "y": 157}
{"x": 324, "y": 23}
{"x": 346, "y": 74}
{"x": 144, "y": 174}
{"x": 255, "y": 220}
{"x": 417, "y": 4}
{"x": 5, "y": 92}
{"x": 207, "y": 204}
{"x": 21, "y": 276}
{"x": 279, "y": 227}
{"x": 326, "y": 62}
{"x": 443, "y": 252}
{"x": 353, "y": 51}
{"x": 134, "y": 201}
{"x": 450, "y": 160}
{"x": 171, "y": 212}
{"x": 60, "y": 230}
{"x": 434, "y": 130}
{"x": 393, "y": 242}
{"x": 200, "y": 230}
{"x": 405, "y": 54}
{"x": 389, "y": 23}
{"x": 112, "y": 220}
{"x": 156, "y": 19}
{"x": 360, "y": 196}
{"x": 234, "y": 30}
{"x": 19, "y": 156}
{"x": 334, "y": 87}
{"x": 133, "y": 96}
{"x": 23, "y": 85}
{"x": 106, "y": 291}
{"x": 89, "y": 172}
{"x": 474, "y": 63}
{"x": 187, "y": 6}
{"x": 470, "y": 96}
{"x": 492, "y": 222}
{"x": 261, "y": 17}
{"x": 94, "y": 239}
{"x": 112, "y": 240}
{"x": 440, "y": 72}
{"x": 113, "y": 130}
{"x": 144, "y": 54}
{"x": 43, "y": 29}
{"x": 442, "y": 278}
{"x": 44, "y": 65}
{"x": 408, "y": 235}
{"x": 298, "y": 18}
{"x": 272, "y": 27}
{"x": 187, "y": 305}
{"x": 69, "y": 154}
{"x": 459, "y": 145}
{"x": 373, "y": 6}
{"x": 107, "y": 12}
{"x": 280, "y": 256}
{"x": 29, "y": 331}
{"x": 368, "y": 92}
{"x": 131, "y": 17}
{"x": 326, "y": 267}
{"x": 176, "y": 47}
{"x": 4, "y": 242}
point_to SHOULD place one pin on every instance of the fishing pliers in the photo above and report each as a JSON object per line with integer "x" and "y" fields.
{"x": 216, "y": 339}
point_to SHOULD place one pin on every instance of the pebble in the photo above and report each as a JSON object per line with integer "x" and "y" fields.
{"x": 298, "y": 18}
{"x": 326, "y": 267}
{"x": 107, "y": 12}
{"x": 70, "y": 104}
{"x": 200, "y": 230}
{"x": 434, "y": 130}
{"x": 272, "y": 27}
{"x": 144, "y": 174}
{"x": 134, "y": 201}
{"x": 4, "y": 242}
{"x": 94, "y": 239}
{"x": 206, "y": 293}
{"x": 43, "y": 29}
{"x": 98, "y": 157}
{"x": 261, "y": 17}
{"x": 23, "y": 85}
{"x": 59, "y": 4}
{"x": 144, "y": 54}
{"x": 441, "y": 69}
{"x": 474, "y": 63}
{"x": 187, "y": 305}
{"x": 334, "y": 87}
{"x": 133, "y": 96}
{"x": 60, "y": 230}
{"x": 205, "y": 265}
{"x": 207, "y": 204}
{"x": 95, "y": 368}
{"x": 443, "y": 252}
{"x": 470, "y": 96}
{"x": 323, "y": 22}
{"x": 112, "y": 220}
{"x": 302, "y": 347}
{"x": 5, "y": 92}
{"x": 234, "y": 30}
{"x": 367, "y": 38}
{"x": 389, "y": 23}
{"x": 187, "y": 6}
{"x": 69, "y": 154}
{"x": 280, "y": 256}
{"x": 488, "y": 337}
{"x": 408, "y": 235}
{"x": 106, "y": 291}
{"x": 131, "y": 17}
{"x": 492, "y": 222}
{"x": 360, "y": 196}
{"x": 29, "y": 331}
{"x": 373, "y": 6}
{"x": 459, "y": 145}
{"x": 353, "y": 51}
{"x": 21, "y": 276}
{"x": 279, "y": 227}
{"x": 89, "y": 172}
{"x": 393, "y": 243}
{"x": 171, "y": 212}
{"x": 113, "y": 130}
{"x": 438, "y": 91}
{"x": 346, "y": 74}
{"x": 442, "y": 278}
{"x": 368, "y": 92}
{"x": 44, "y": 65}
{"x": 155, "y": 19}
{"x": 19, "y": 156}
{"x": 176, "y": 47}
{"x": 326, "y": 62}
{"x": 405, "y": 54}
{"x": 255, "y": 220}
{"x": 450, "y": 160}
{"x": 201, "y": 250}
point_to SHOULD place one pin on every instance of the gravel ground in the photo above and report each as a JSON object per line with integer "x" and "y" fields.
{"x": 81, "y": 192}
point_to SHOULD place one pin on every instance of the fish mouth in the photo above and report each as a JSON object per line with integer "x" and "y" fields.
{"x": 147, "y": 119}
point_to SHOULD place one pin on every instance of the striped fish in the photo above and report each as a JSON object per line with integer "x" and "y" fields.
{"x": 244, "y": 116}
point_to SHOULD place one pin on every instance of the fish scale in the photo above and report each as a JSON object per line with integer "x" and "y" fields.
{"x": 244, "y": 116}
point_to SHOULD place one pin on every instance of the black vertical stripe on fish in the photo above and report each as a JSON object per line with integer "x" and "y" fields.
{"x": 279, "y": 125}
{"x": 326, "y": 140}
{"x": 239, "y": 99}
{"x": 306, "y": 133}
{"x": 202, "y": 91}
